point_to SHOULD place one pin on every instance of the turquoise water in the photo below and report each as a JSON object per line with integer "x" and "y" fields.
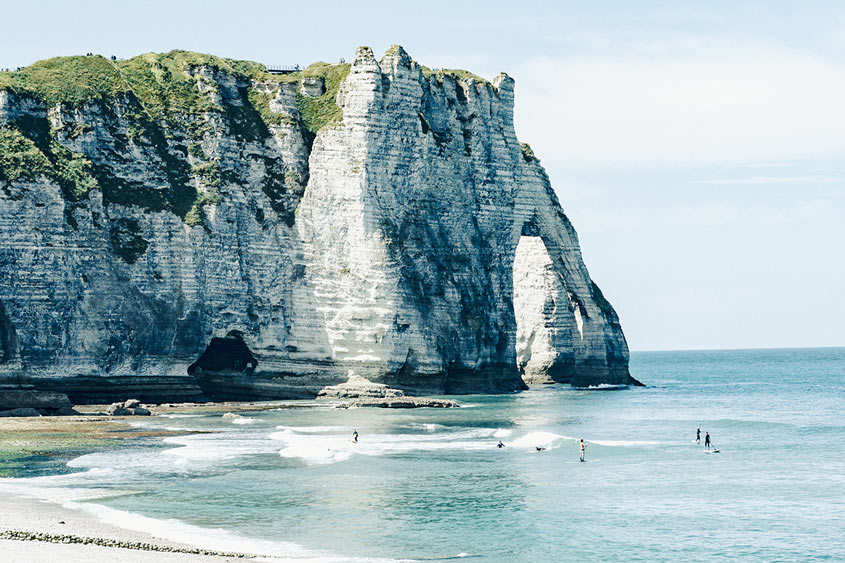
{"x": 430, "y": 483}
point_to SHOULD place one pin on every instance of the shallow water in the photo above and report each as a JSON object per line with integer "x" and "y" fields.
{"x": 431, "y": 484}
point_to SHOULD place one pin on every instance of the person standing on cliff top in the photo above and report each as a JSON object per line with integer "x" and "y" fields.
{"x": 583, "y": 448}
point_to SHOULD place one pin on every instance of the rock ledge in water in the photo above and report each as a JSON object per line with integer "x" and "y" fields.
{"x": 28, "y": 399}
{"x": 400, "y": 403}
{"x": 357, "y": 387}
{"x": 20, "y": 412}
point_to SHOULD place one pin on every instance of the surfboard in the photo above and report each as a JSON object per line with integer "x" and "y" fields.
{"x": 711, "y": 451}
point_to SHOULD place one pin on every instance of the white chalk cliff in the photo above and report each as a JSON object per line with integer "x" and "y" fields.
{"x": 250, "y": 246}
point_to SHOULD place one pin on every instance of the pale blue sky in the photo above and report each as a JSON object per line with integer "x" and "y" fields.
{"x": 697, "y": 147}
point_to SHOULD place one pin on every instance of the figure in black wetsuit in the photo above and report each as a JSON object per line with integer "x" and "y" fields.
{"x": 355, "y": 436}
{"x": 500, "y": 444}
{"x": 707, "y": 440}
{"x": 698, "y": 436}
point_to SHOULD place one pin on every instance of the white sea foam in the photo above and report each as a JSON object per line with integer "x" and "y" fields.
{"x": 314, "y": 448}
{"x": 548, "y": 440}
{"x": 218, "y": 446}
{"x": 315, "y": 429}
{"x": 330, "y": 448}
{"x": 49, "y": 489}
{"x": 427, "y": 426}
{"x": 243, "y": 420}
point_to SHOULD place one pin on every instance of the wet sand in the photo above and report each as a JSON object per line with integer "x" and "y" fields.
{"x": 36, "y": 531}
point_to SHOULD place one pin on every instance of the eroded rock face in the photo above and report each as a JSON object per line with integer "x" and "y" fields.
{"x": 51, "y": 402}
{"x": 273, "y": 246}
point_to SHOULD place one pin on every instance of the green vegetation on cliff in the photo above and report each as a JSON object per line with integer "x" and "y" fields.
{"x": 66, "y": 80}
{"x": 163, "y": 106}
{"x": 22, "y": 158}
{"x": 261, "y": 102}
{"x": 197, "y": 212}
{"x": 162, "y": 82}
{"x": 167, "y": 85}
{"x": 319, "y": 111}
{"x": 455, "y": 74}
{"x": 527, "y": 152}
{"x": 19, "y": 157}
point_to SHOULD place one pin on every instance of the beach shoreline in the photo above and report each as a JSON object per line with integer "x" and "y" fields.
{"x": 34, "y": 530}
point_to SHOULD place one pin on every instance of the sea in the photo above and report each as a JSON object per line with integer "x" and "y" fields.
{"x": 431, "y": 484}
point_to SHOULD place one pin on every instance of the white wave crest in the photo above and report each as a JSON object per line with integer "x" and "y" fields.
{"x": 542, "y": 439}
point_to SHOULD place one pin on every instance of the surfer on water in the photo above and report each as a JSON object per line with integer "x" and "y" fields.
{"x": 355, "y": 436}
{"x": 500, "y": 444}
{"x": 707, "y": 440}
{"x": 583, "y": 447}
{"x": 698, "y": 436}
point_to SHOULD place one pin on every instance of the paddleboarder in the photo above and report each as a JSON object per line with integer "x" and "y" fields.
{"x": 707, "y": 440}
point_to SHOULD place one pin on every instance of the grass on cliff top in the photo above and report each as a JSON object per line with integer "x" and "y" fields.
{"x": 319, "y": 111}
{"x": 71, "y": 80}
{"x": 165, "y": 86}
{"x": 75, "y": 80}
{"x": 455, "y": 74}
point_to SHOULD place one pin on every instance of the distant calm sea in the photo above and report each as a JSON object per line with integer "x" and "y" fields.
{"x": 431, "y": 484}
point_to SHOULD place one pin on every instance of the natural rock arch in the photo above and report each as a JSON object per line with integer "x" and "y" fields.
{"x": 546, "y": 318}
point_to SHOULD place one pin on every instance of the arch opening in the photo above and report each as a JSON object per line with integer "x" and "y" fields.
{"x": 544, "y": 352}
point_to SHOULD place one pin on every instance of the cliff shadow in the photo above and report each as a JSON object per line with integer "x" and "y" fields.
{"x": 8, "y": 340}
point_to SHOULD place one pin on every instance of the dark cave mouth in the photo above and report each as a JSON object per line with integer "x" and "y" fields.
{"x": 229, "y": 355}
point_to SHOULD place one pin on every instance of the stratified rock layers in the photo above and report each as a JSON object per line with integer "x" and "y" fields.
{"x": 236, "y": 248}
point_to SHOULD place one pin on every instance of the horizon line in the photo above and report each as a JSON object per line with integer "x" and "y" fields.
{"x": 741, "y": 349}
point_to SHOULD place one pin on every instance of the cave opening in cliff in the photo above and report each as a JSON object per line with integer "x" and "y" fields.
{"x": 8, "y": 338}
{"x": 228, "y": 355}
